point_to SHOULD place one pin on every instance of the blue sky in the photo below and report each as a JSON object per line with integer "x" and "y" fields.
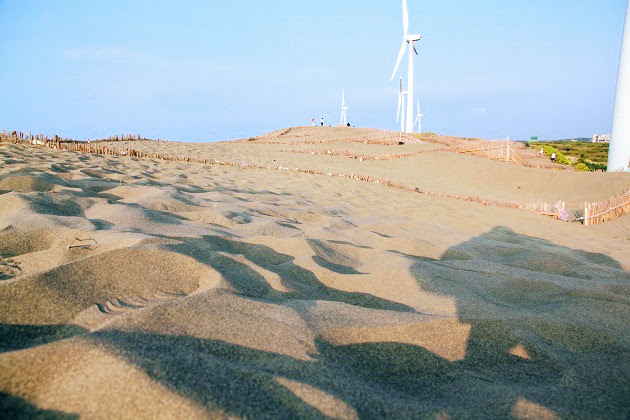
{"x": 210, "y": 70}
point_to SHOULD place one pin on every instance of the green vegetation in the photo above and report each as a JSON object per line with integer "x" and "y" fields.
{"x": 593, "y": 166}
{"x": 592, "y": 155}
{"x": 560, "y": 157}
{"x": 580, "y": 167}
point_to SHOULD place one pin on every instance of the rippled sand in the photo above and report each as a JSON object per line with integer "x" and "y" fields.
{"x": 141, "y": 288}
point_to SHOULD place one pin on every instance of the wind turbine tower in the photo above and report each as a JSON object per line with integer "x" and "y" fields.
{"x": 408, "y": 41}
{"x": 419, "y": 119}
{"x": 344, "y": 109}
{"x": 401, "y": 106}
{"x": 619, "y": 149}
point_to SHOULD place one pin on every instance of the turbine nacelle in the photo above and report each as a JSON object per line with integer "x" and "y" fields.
{"x": 413, "y": 38}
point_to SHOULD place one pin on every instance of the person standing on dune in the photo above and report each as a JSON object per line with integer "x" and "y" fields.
{"x": 322, "y": 121}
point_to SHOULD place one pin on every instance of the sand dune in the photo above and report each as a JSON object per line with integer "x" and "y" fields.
{"x": 140, "y": 288}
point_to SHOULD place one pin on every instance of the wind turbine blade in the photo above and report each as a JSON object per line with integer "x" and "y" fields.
{"x": 414, "y": 50}
{"x": 403, "y": 48}
{"x": 405, "y": 18}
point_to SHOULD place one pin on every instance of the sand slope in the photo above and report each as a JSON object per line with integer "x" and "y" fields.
{"x": 139, "y": 288}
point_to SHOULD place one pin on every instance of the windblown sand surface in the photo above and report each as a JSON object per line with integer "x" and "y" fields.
{"x": 140, "y": 288}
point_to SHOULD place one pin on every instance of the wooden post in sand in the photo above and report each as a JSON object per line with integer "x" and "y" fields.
{"x": 585, "y": 214}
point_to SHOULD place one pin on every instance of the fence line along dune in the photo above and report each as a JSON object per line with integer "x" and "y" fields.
{"x": 305, "y": 135}
{"x": 40, "y": 139}
{"x": 355, "y": 155}
{"x": 95, "y": 148}
{"x": 603, "y": 211}
{"x": 597, "y": 212}
{"x": 503, "y": 150}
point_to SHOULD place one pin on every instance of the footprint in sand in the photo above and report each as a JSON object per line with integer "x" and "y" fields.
{"x": 119, "y": 306}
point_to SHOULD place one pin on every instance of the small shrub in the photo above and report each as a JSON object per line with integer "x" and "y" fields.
{"x": 580, "y": 167}
{"x": 563, "y": 160}
{"x": 592, "y": 166}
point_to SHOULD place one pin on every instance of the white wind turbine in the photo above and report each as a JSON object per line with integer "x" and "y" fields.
{"x": 419, "y": 119}
{"x": 344, "y": 109}
{"x": 401, "y": 106}
{"x": 619, "y": 149}
{"x": 407, "y": 40}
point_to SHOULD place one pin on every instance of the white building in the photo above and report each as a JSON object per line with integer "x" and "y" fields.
{"x": 601, "y": 138}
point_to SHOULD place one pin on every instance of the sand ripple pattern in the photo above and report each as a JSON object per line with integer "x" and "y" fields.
{"x": 211, "y": 291}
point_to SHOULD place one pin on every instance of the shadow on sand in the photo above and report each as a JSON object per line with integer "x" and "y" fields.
{"x": 219, "y": 252}
{"x": 13, "y": 407}
{"x": 566, "y": 310}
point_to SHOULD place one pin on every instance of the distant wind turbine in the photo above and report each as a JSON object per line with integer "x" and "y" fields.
{"x": 408, "y": 40}
{"x": 419, "y": 119}
{"x": 344, "y": 109}
{"x": 619, "y": 149}
{"x": 401, "y": 106}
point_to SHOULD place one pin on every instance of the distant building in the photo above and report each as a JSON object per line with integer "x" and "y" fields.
{"x": 601, "y": 138}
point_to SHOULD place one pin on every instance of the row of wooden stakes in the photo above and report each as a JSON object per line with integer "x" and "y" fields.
{"x": 603, "y": 211}
{"x": 374, "y": 136}
{"x": 353, "y": 155}
{"x": 593, "y": 212}
{"x": 494, "y": 151}
{"x": 104, "y": 150}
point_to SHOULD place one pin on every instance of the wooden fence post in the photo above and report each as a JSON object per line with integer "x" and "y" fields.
{"x": 585, "y": 214}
